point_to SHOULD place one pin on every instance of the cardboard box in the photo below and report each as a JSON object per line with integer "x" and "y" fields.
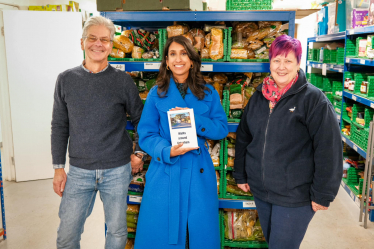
{"x": 144, "y": 5}
{"x": 37, "y": 8}
{"x": 371, "y": 13}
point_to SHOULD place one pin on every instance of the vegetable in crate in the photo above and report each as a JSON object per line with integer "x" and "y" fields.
{"x": 235, "y": 190}
{"x": 117, "y": 53}
{"x": 240, "y": 225}
{"x": 216, "y": 49}
{"x": 132, "y": 218}
{"x": 123, "y": 43}
{"x": 132, "y": 209}
{"x": 230, "y": 179}
{"x": 248, "y": 92}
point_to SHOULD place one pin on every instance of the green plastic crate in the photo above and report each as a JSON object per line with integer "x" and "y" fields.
{"x": 229, "y": 39}
{"x": 249, "y": 4}
{"x": 358, "y": 39}
{"x": 160, "y": 45}
{"x": 228, "y": 195}
{"x": 224, "y": 48}
{"x": 337, "y": 86}
{"x": 340, "y": 56}
{"x": 327, "y": 84}
{"x": 352, "y": 175}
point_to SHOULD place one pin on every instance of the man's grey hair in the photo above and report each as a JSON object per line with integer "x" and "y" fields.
{"x": 98, "y": 21}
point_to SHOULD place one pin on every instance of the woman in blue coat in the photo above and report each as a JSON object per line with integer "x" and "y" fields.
{"x": 180, "y": 202}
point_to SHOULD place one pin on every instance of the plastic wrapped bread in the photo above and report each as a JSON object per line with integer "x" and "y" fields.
{"x": 137, "y": 52}
{"x": 123, "y": 43}
{"x": 216, "y": 49}
{"x": 129, "y": 243}
{"x": 205, "y": 53}
{"x": 260, "y": 34}
{"x": 208, "y": 40}
{"x": 238, "y": 53}
{"x": 175, "y": 30}
{"x": 199, "y": 38}
{"x": 117, "y": 53}
{"x": 220, "y": 78}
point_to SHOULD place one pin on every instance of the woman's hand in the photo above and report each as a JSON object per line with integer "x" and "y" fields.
{"x": 177, "y": 150}
{"x": 245, "y": 187}
{"x": 178, "y": 109}
{"x": 317, "y": 207}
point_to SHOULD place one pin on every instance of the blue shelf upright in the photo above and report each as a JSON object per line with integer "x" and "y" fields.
{"x": 2, "y": 200}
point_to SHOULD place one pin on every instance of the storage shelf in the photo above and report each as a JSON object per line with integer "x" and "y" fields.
{"x": 354, "y": 146}
{"x": 364, "y": 30}
{"x": 142, "y": 16}
{"x": 233, "y": 127}
{"x": 330, "y": 37}
{"x": 262, "y": 67}
{"x": 350, "y": 193}
{"x": 329, "y": 67}
{"x": 236, "y": 204}
{"x": 359, "y": 99}
{"x": 360, "y": 61}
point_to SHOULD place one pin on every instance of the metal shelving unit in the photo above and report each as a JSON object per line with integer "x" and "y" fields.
{"x": 350, "y": 64}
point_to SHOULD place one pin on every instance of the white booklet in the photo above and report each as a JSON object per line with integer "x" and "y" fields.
{"x": 182, "y": 128}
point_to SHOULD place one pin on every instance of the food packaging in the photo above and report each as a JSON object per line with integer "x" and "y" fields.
{"x": 238, "y": 53}
{"x": 205, "y": 53}
{"x": 199, "y": 42}
{"x": 175, "y": 30}
{"x": 208, "y": 79}
{"x": 132, "y": 209}
{"x": 232, "y": 135}
{"x": 127, "y": 32}
{"x": 359, "y": 18}
{"x": 255, "y": 45}
{"x": 208, "y": 40}
{"x": 219, "y": 88}
{"x": 218, "y": 178}
{"x": 117, "y": 53}
{"x": 123, "y": 43}
{"x": 369, "y": 45}
{"x": 242, "y": 26}
{"x": 129, "y": 244}
{"x": 362, "y": 48}
{"x": 238, "y": 40}
{"x": 250, "y": 54}
{"x": 220, "y": 78}
{"x": 242, "y": 225}
{"x": 260, "y": 34}
{"x": 216, "y": 49}
{"x": 137, "y": 52}
{"x": 189, "y": 37}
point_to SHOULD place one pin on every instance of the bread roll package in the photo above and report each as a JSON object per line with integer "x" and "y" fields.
{"x": 208, "y": 40}
{"x": 220, "y": 78}
{"x": 260, "y": 34}
{"x": 189, "y": 37}
{"x": 175, "y": 30}
{"x": 237, "y": 53}
{"x": 199, "y": 42}
{"x": 137, "y": 52}
{"x": 124, "y": 43}
{"x": 205, "y": 53}
{"x": 117, "y": 53}
{"x": 216, "y": 49}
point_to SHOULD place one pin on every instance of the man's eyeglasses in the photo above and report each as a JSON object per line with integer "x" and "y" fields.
{"x": 103, "y": 40}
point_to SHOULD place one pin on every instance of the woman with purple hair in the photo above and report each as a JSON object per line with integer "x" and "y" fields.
{"x": 288, "y": 148}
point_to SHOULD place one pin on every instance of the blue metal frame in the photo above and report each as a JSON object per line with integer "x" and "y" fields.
{"x": 2, "y": 199}
{"x": 330, "y": 37}
{"x": 330, "y": 67}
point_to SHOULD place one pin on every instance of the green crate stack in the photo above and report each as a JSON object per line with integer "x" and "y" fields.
{"x": 358, "y": 39}
{"x": 352, "y": 175}
{"x": 319, "y": 81}
{"x": 368, "y": 116}
{"x": 161, "y": 45}
{"x": 310, "y": 54}
{"x": 326, "y": 56}
{"x": 225, "y": 31}
{"x": 229, "y": 39}
{"x": 333, "y": 56}
{"x": 337, "y": 105}
{"x": 236, "y": 244}
{"x": 340, "y": 56}
{"x": 327, "y": 84}
{"x": 361, "y": 186}
{"x": 337, "y": 86}
{"x": 356, "y": 109}
{"x": 350, "y": 48}
{"x": 316, "y": 53}
{"x": 226, "y": 102}
{"x": 370, "y": 90}
{"x": 348, "y": 75}
{"x": 359, "y": 136}
{"x": 249, "y": 4}
{"x": 329, "y": 96}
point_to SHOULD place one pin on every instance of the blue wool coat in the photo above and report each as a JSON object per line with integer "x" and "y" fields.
{"x": 181, "y": 189}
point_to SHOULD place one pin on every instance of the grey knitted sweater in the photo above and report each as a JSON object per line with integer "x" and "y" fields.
{"x": 89, "y": 112}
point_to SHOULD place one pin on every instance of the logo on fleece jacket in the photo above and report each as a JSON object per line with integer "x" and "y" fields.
{"x": 292, "y": 109}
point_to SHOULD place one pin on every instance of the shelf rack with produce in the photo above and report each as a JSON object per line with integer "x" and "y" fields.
{"x": 352, "y": 64}
{"x": 160, "y": 20}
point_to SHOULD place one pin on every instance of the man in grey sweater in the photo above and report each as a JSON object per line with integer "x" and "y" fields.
{"x": 91, "y": 103}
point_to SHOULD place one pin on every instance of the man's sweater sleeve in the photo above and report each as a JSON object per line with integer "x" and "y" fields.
{"x": 60, "y": 125}
{"x": 243, "y": 138}
{"x": 328, "y": 153}
{"x": 134, "y": 107}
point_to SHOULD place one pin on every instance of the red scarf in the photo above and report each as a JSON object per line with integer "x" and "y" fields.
{"x": 271, "y": 91}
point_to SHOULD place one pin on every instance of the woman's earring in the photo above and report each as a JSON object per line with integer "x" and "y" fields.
{"x": 191, "y": 65}
{"x": 167, "y": 67}
{"x": 298, "y": 70}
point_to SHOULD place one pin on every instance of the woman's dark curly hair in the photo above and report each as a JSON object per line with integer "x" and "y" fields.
{"x": 195, "y": 80}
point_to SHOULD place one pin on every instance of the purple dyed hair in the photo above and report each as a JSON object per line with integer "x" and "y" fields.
{"x": 284, "y": 44}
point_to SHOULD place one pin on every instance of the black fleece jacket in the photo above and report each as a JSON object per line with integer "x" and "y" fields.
{"x": 294, "y": 155}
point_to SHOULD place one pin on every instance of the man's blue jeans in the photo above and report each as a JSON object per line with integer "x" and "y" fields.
{"x": 78, "y": 200}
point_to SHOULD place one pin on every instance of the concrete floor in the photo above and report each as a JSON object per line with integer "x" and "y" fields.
{"x": 31, "y": 210}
